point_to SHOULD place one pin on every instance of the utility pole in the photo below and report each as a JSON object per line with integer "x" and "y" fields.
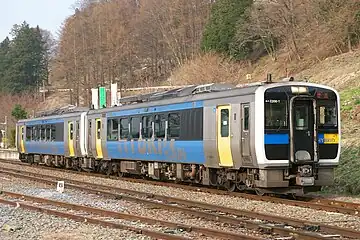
{"x": 5, "y": 132}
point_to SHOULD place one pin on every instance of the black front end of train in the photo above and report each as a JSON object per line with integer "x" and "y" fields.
{"x": 301, "y": 126}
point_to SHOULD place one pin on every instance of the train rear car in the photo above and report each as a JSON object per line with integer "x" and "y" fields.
{"x": 55, "y": 140}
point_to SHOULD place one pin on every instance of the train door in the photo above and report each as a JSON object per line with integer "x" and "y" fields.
{"x": 245, "y": 130}
{"x": 223, "y": 114}
{"x": 22, "y": 139}
{"x": 99, "y": 153}
{"x": 77, "y": 138}
{"x": 71, "y": 139}
{"x": 303, "y": 119}
{"x": 90, "y": 137}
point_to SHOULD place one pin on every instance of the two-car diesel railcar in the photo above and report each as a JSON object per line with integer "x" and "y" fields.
{"x": 272, "y": 137}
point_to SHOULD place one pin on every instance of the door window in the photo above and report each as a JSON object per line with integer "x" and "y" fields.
{"x": 98, "y": 129}
{"x": 302, "y": 117}
{"x": 71, "y": 126}
{"x": 246, "y": 118}
{"x": 224, "y": 122}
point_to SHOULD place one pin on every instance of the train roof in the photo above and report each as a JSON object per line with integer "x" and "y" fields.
{"x": 58, "y": 113}
{"x": 198, "y": 93}
{"x": 179, "y": 95}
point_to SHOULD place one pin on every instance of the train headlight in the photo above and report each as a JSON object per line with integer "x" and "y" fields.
{"x": 299, "y": 90}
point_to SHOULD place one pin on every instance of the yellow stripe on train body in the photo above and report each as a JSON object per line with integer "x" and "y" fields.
{"x": 331, "y": 138}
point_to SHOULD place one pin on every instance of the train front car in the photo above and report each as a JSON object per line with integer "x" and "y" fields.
{"x": 297, "y": 140}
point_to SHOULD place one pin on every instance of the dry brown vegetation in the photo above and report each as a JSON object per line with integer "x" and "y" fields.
{"x": 129, "y": 42}
{"x": 8, "y": 101}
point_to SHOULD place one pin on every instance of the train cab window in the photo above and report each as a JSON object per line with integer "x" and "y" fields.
{"x": 124, "y": 128}
{"x": 327, "y": 116}
{"x": 224, "y": 123}
{"x": 146, "y": 127}
{"x": 246, "y": 118}
{"x": 135, "y": 127}
{"x": 71, "y": 131}
{"x": 113, "y": 129}
{"x": 174, "y": 125}
{"x": 302, "y": 117}
{"x": 276, "y": 114}
{"x": 159, "y": 126}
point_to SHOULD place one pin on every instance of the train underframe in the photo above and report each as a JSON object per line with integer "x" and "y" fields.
{"x": 262, "y": 181}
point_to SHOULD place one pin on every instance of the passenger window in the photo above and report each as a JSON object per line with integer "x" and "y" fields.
{"x": 48, "y": 133}
{"x": 246, "y": 118}
{"x": 34, "y": 134}
{"x": 159, "y": 126}
{"x": 135, "y": 125}
{"x": 42, "y": 133}
{"x": 113, "y": 129}
{"x": 71, "y": 131}
{"x": 38, "y": 130}
{"x": 146, "y": 127}
{"x": 124, "y": 128}
{"x": 224, "y": 122}
{"x": 28, "y": 133}
{"x": 302, "y": 117}
{"x": 53, "y": 132}
{"x": 174, "y": 125}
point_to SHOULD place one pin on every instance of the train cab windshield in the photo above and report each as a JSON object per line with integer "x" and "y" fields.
{"x": 276, "y": 114}
{"x": 327, "y": 114}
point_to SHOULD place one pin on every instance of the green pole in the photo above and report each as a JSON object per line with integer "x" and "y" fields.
{"x": 102, "y": 97}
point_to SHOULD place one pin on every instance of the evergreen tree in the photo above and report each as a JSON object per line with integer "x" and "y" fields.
{"x": 22, "y": 60}
{"x": 19, "y": 112}
{"x": 219, "y": 34}
{"x": 4, "y": 61}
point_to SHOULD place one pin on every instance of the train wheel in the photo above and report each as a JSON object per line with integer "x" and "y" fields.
{"x": 241, "y": 186}
{"x": 230, "y": 186}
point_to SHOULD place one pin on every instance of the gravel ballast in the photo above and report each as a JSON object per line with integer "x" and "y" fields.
{"x": 20, "y": 224}
{"x": 340, "y": 220}
{"x": 13, "y": 184}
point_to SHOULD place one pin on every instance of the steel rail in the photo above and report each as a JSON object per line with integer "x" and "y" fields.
{"x": 132, "y": 217}
{"x": 313, "y": 203}
{"x": 78, "y": 218}
{"x": 95, "y": 188}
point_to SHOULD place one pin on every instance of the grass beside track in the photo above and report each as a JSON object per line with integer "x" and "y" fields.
{"x": 347, "y": 174}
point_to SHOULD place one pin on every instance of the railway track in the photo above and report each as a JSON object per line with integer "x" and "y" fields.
{"x": 287, "y": 227}
{"x": 84, "y": 214}
{"x": 306, "y": 202}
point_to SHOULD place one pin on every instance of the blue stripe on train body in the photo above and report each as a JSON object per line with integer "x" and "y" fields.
{"x": 160, "y": 151}
{"x": 164, "y": 108}
{"x": 283, "y": 138}
{"x": 43, "y": 147}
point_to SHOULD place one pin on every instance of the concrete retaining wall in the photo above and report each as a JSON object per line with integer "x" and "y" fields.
{"x": 10, "y": 154}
